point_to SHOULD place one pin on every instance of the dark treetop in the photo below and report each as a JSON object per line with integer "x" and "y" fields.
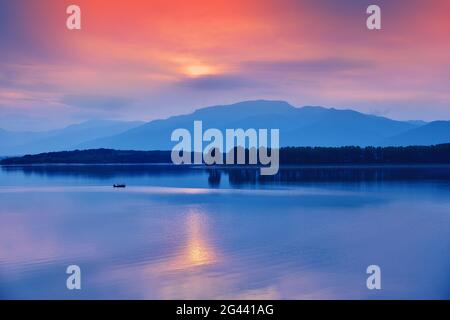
{"x": 438, "y": 154}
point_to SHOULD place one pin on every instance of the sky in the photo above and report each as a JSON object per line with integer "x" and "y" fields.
{"x": 150, "y": 59}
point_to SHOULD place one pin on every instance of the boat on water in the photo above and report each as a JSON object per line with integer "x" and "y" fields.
{"x": 119, "y": 185}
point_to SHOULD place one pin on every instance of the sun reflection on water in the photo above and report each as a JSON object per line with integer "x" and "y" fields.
{"x": 198, "y": 249}
{"x": 195, "y": 249}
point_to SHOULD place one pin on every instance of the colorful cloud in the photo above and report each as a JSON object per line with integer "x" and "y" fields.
{"x": 159, "y": 58}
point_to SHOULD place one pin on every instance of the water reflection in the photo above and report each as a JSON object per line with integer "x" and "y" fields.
{"x": 186, "y": 273}
{"x": 340, "y": 174}
{"x": 169, "y": 236}
{"x": 212, "y": 177}
{"x": 199, "y": 252}
{"x": 198, "y": 249}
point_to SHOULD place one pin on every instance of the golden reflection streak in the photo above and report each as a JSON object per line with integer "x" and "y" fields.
{"x": 198, "y": 250}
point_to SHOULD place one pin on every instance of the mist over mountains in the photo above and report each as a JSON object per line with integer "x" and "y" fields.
{"x": 304, "y": 126}
{"x": 17, "y": 143}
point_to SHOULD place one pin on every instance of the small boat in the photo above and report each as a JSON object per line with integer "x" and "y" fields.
{"x": 119, "y": 186}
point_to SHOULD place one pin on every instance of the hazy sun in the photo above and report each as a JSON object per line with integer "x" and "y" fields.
{"x": 199, "y": 70}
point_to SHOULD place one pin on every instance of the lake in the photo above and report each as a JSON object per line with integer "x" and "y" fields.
{"x": 224, "y": 233}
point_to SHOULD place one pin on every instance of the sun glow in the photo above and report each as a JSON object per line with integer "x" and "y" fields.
{"x": 198, "y": 70}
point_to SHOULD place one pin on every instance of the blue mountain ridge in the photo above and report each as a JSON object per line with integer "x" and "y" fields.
{"x": 303, "y": 126}
{"x": 16, "y": 143}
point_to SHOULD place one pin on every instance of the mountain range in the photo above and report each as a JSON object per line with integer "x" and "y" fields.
{"x": 303, "y": 126}
{"x": 17, "y": 143}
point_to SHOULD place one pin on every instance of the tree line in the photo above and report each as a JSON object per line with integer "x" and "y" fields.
{"x": 437, "y": 154}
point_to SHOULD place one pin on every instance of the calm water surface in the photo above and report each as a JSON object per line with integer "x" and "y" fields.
{"x": 189, "y": 233}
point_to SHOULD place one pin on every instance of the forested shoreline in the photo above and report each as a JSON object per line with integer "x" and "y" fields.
{"x": 288, "y": 156}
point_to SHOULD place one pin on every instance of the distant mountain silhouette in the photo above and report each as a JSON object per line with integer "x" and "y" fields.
{"x": 436, "y": 132}
{"x": 16, "y": 143}
{"x": 306, "y": 126}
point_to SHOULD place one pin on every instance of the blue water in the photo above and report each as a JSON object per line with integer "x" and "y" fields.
{"x": 192, "y": 233}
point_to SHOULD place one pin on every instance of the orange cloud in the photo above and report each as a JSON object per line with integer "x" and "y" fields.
{"x": 143, "y": 49}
